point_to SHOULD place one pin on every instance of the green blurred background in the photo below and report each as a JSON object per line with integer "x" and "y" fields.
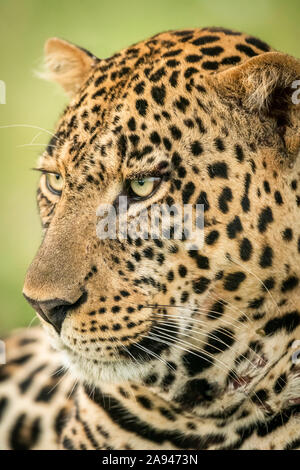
{"x": 103, "y": 27}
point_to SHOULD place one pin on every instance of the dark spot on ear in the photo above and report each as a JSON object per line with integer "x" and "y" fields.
{"x": 192, "y": 58}
{"x": 246, "y": 50}
{"x": 258, "y": 43}
{"x": 212, "y": 51}
{"x": 210, "y": 65}
{"x": 205, "y": 40}
{"x": 231, "y": 60}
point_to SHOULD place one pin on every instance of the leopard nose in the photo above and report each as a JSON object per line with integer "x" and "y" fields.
{"x": 53, "y": 311}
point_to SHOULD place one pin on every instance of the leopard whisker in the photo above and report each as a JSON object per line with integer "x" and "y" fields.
{"x": 63, "y": 368}
{"x": 162, "y": 339}
{"x": 214, "y": 337}
{"x": 73, "y": 388}
{"x": 230, "y": 305}
{"x": 30, "y": 127}
{"x": 32, "y": 321}
{"x": 36, "y": 136}
{"x": 128, "y": 352}
{"x": 159, "y": 338}
{"x": 201, "y": 311}
{"x": 57, "y": 383}
{"x": 260, "y": 281}
{"x": 135, "y": 360}
{"x": 32, "y": 145}
{"x": 201, "y": 322}
{"x": 152, "y": 353}
{"x": 215, "y": 347}
{"x": 189, "y": 345}
{"x": 221, "y": 362}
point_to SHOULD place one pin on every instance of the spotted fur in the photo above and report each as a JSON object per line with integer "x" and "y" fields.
{"x": 165, "y": 347}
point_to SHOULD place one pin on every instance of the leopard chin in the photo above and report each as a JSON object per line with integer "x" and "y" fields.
{"x": 104, "y": 371}
{"x": 95, "y": 370}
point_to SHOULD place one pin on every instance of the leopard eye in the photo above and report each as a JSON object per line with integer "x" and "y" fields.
{"x": 144, "y": 187}
{"x": 54, "y": 183}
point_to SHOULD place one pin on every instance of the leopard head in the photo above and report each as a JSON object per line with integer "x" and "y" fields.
{"x": 183, "y": 118}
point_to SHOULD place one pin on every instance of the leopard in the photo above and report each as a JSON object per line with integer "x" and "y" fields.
{"x": 161, "y": 342}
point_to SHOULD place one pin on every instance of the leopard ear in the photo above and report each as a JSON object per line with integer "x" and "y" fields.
{"x": 267, "y": 84}
{"x": 67, "y": 64}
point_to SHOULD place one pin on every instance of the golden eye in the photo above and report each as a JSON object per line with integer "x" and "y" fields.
{"x": 143, "y": 188}
{"x": 54, "y": 182}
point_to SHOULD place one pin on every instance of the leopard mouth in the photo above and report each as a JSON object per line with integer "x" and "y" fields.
{"x": 125, "y": 362}
{"x": 141, "y": 347}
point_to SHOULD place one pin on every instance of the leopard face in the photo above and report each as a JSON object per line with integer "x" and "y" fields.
{"x": 204, "y": 117}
